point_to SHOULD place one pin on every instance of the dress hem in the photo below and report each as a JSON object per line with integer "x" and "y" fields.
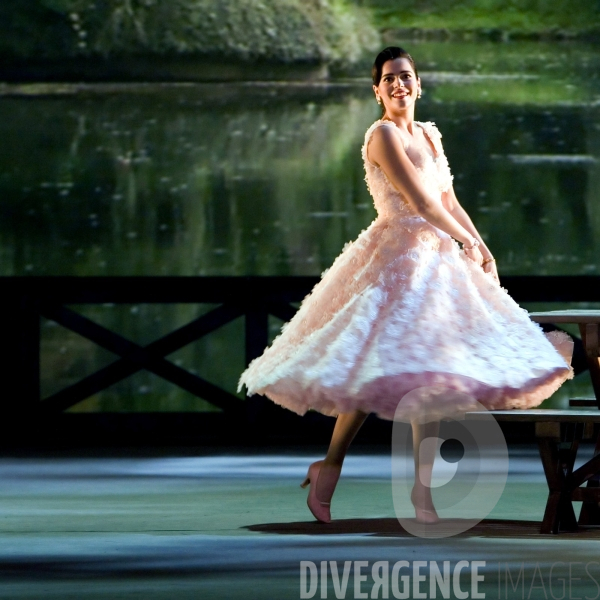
{"x": 433, "y": 396}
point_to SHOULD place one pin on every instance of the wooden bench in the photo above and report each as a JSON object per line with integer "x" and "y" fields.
{"x": 558, "y": 434}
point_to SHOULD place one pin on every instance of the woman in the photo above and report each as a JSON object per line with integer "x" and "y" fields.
{"x": 404, "y": 318}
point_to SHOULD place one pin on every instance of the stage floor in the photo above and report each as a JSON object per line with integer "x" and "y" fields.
{"x": 236, "y": 526}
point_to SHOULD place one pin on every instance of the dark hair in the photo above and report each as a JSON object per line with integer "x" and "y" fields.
{"x": 390, "y": 53}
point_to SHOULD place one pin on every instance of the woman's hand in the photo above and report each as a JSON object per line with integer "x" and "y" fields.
{"x": 490, "y": 267}
{"x": 474, "y": 254}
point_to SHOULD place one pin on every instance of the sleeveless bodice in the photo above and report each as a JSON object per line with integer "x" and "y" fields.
{"x": 433, "y": 170}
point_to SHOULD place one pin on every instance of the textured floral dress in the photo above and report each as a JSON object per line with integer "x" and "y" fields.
{"x": 404, "y": 323}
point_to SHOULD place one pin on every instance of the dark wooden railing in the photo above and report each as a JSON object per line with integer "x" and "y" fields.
{"x": 25, "y": 299}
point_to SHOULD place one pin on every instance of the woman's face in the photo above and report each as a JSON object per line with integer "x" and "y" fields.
{"x": 398, "y": 87}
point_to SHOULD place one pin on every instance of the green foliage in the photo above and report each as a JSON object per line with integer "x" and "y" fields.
{"x": 29, "y": 29}
{"x": 281, "y": 30}
{"x": 313, "y": 31}
{"x": 512, "y": 15}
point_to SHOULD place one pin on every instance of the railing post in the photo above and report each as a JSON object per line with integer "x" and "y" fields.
{"x": 20, "y": 357}
{"x": 257, "y": 338}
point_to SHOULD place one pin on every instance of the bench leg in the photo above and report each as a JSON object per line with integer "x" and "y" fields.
{"x": 559, "y": 514}
{"x": 590, "y": 511}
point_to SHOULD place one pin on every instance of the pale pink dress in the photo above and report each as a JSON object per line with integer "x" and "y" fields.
{"x": 404, "y": 323}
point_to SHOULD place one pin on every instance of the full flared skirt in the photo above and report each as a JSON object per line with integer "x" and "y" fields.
{"x": 405, "y": 325}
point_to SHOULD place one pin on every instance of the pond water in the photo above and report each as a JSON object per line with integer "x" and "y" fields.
{"x": 266, "y": 178}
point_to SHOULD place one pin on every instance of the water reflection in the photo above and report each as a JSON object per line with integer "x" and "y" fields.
{"x": 125, "y": 185}
{"x": 237, "y": 179}
{"x": 186, "y": 183}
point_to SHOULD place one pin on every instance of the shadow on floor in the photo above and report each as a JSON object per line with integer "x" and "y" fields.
{"x": 489, "y": 528}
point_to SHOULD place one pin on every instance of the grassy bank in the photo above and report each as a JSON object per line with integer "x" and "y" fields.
{"x": 207, "y": 40}
{"x": 492, "y": 18}
{"x": 332, "y": 31}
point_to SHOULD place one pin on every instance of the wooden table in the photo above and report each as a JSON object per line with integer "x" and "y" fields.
{"x": 589, "y": 328}
{"x": 558, "y": 433}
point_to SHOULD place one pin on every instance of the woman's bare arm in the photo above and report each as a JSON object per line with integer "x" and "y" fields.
{"x": 386, "y": 151}
{"x": 454, "y": 207}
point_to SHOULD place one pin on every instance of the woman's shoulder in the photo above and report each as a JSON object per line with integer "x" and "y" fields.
{"x": 380, "y": 128}
{"x": 378, "y": 124}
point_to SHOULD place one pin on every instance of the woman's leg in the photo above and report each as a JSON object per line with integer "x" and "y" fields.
{"x": 346, "y": 427}
{"x": 424, "y": 455}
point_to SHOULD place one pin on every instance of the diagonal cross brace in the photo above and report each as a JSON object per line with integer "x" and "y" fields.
{"x": 136, "y": 357}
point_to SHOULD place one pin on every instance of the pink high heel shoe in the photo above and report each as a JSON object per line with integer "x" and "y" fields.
{"x": 318, "y": 508}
